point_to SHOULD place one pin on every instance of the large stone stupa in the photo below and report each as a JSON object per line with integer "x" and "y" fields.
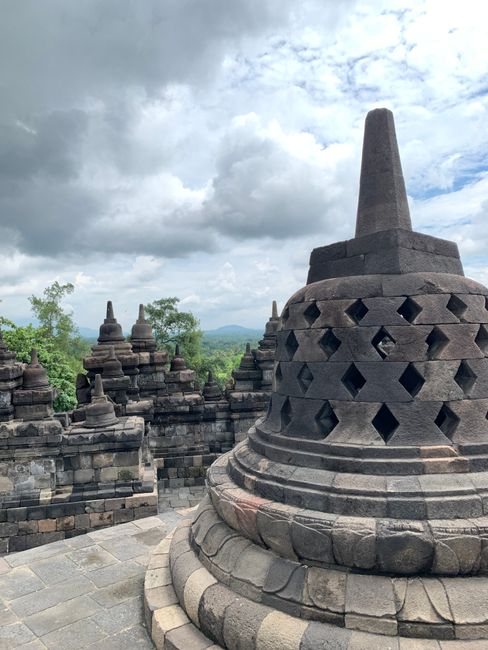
{"x": 353, "y": 515}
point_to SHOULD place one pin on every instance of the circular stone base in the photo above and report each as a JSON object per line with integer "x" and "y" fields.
{"x": 185, "y": 605}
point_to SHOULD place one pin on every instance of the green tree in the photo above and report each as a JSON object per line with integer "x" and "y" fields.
{"x": 59, "y": 368}
{"x": 58, "y": 325}
{"x": 59, "y": 345}
{"x": 171, "y": 326}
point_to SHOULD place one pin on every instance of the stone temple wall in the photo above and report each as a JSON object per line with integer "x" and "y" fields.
{"x": 186, "y": 428}
{"x": 139, "y": 419}
{"x": 59, "y": 479}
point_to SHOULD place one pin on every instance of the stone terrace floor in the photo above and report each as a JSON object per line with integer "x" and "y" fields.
{"x": 86, "y": 592}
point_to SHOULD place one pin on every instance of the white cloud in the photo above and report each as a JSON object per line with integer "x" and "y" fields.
{"x": 203, "y": 147}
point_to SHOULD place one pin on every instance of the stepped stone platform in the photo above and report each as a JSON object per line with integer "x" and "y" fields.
{"x": 354, "y": 515}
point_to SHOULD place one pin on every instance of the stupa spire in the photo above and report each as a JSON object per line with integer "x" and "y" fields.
{"x": 274, "y": 310}
{"x": 110, "y": 311}
{"x": 382, "y": 203}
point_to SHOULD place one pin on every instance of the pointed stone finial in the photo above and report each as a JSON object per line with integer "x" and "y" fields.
{"x": 248, "y": 348}
{"x": 382, "y": 203}
{"x": 142, "y": 316}
{"x": 274, "y": 311}
{"x": 110, "y": 311}
{"x": 100, "y": 412}
{"x": 35, "y": 375}
{"x": 211, "y": 391}
{"x": 177, "y": 363}
{"x": 98, "y": 391}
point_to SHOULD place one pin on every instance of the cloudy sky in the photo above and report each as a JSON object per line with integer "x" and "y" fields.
{"x": 202, "y": 148}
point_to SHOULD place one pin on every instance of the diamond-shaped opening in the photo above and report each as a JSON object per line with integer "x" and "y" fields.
{"x": 326, "y": 419}
{"x": 411, "y": 380}
{"x": 447, "y": 421}
{"x": 353, "y": 380}
{"x": 329, "y": 343}
{"x": 286, "y": 413}
{"x": 486, "y": 303}
{"x": 409, "y": 310}
{"x": 278, "y": 375}
{"x": 481, "y": 339}
{"x": 357, "y": 311}
{"x": 465, "y": 377}
{"x": 456, "y": 306}
{"x": 385, "y": 423}
{"x": 291, "y": 345}
{"x": 383, "y": 342}
{"x": 436, "y": 341}
{"x": 305, "y": 378}
{"x": 285, "y": 315}
{"x": 311, "y": 313}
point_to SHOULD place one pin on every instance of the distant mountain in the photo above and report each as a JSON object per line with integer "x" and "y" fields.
{"x": 234, "y": 330}
{"x": 88, "y": 333}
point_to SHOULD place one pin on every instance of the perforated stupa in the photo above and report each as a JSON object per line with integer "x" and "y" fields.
{"x": 354, "y": 514}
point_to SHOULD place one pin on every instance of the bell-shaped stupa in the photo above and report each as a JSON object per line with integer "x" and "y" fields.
{"x": 354, "y": 514}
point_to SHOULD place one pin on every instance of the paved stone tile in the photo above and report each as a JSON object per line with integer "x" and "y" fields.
{"x": 135, "y": 638}
{"x": 80, "y": 541}
{"x": 91, "y": 558}
{"x": 122, "y": 530}
{"x": 33, "y": 645}
{"x": 7, "y": 616}
{"x": 37, "y": 553}
{"x": 123, "y": 549}
{"x": 51, "y": 596}
{"x": 4, "y": 566}
{"x": 147, "y": 522}
{"x": 115, "y": 573}
{"x": 18, "y": 582}
{"x": 13, "y": 636}
{"x": 56, "y": 569}
{"x": 84, "y": 591}
{"x": 118, "y": 592}
{"x": 120, "y": 617}
{"x": 152, "y": 536}
{"x": 80, "y": 634}
{"x": 60, "y": 615}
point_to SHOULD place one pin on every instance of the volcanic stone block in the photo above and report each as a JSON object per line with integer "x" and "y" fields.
{"x": 356, "y": 344}
{"x": 404, "y": 547}
{"x": 327, "y": 589}
{"x": 439, "y": 381}
{"x": 311, "y": 536}
{"x": 333, "y": 313}
{"x": 355, "y": 423}
{"x": 274, "y": 522}
{"x": 242, "y": 622}
{"x": 212, "y": 608}
{"x": 326, "y": 383}
{"x": 354, "y": 542}
{"x": 382, "y": 311}
{"x": 416, "y": 421}
{"x": 472, "y": 424}
{"x": 382, "y": 382}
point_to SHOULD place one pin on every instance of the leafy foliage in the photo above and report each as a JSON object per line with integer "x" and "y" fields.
{"x": 171, "y": 326}
{"x": 59, "y": 346}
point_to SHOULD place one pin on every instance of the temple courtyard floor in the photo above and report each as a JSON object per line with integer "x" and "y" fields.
{"x": 86, "y": 592}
